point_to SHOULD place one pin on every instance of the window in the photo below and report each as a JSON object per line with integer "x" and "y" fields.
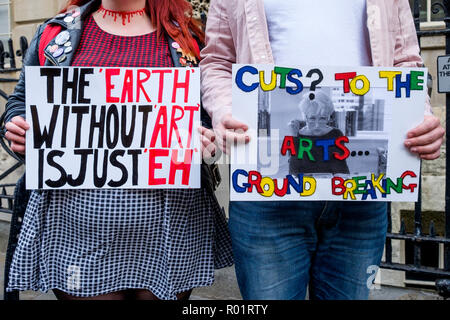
{"x": 4, "y": 21}
{"x": 426, "y": 14}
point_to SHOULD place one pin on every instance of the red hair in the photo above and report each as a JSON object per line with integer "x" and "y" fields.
{"x": 171, "y": 16}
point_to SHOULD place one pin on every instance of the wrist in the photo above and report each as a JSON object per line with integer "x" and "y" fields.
{"x": 219, "y": 114}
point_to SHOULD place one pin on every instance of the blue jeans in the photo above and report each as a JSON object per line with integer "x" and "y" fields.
{"x": 281, "y": 248}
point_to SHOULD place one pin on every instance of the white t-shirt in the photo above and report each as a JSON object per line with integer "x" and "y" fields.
{"x": 318, "y": 32}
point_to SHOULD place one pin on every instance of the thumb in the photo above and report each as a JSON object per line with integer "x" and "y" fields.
{"x": 231, "y": 123}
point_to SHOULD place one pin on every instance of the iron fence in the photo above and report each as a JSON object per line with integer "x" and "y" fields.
{"x": 8, "y": 64}
{"x": 418, "y": 237}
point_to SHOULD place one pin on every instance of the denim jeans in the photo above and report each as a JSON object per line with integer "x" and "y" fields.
{"x": 281, "y": 248}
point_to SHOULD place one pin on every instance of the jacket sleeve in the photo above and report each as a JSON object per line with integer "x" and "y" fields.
{"x": 218, "y": 55}
{"x": 16, "y": 101}
{"x": 407, "y": 50}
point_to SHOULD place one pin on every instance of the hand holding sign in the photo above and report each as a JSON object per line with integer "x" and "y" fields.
{"x": 16, "y": 133}
{"x": 230, "y": 131}
{"x": 208, "y": 147}
{"x": 426, "y": 139}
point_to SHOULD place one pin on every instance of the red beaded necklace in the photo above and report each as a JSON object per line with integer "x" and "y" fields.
{"x": 125, "y": 15}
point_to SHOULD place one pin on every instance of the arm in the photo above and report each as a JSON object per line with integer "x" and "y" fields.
{"x": 218, "y": 56}
{"x": 15, "y": 107}
{"x": 426, "y": 139}
{"x": 407, "y": 50}
{"x": 16, "y": 101}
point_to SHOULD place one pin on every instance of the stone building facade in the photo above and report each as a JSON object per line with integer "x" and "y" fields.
{"x": 24, "y": 16}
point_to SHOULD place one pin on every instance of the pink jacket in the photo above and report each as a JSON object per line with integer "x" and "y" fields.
{"x": 236, "y": 32}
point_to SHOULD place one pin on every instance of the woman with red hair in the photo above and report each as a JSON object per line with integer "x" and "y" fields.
{"x": 116, "y": 243}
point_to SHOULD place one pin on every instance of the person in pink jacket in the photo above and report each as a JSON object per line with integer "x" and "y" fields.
{"x": 281, "y": 248}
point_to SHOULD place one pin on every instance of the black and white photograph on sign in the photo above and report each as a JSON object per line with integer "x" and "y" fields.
{"x": 323, "y": 119}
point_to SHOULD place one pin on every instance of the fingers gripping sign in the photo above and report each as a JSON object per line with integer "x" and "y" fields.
{"x": 208, "y": 145}
{"x": 15, "y": 133}
{"x": 426, "y": 139}
{"x": 230, "y": 131}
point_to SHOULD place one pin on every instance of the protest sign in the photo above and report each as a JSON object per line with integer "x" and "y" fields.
{"x": 326, "y": 133}
{"x": 112, "y": 128}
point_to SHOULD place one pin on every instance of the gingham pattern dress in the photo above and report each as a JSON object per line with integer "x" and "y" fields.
{"x": 92, "y": 242}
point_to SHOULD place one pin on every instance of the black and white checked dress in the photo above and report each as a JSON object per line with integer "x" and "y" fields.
{"x": 92, "y": 242}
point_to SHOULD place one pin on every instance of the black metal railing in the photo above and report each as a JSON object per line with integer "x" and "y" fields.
{"x": 8, "y": 64}
{"x": 8, "y": 57}
{"x": 417, "y": 237}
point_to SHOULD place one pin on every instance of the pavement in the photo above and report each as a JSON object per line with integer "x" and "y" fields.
{"x": 225, "y": 286}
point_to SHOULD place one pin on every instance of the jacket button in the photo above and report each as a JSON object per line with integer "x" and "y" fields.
{"x": 58, "y": 53}
{"x": 68, "y": 19}
{"x": 62, "y": 38}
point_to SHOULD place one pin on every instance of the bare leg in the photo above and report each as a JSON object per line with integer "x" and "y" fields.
{"x": 141, "y": 294}
{"x": 184, "y": 295}
{"x": 118, "y": 295}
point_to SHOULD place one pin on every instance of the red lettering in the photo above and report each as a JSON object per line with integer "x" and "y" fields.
{"x": 174, "y": 126}
{"x": 281, "y": 192}
{"x": 191, "y": 110}
{"x": 181, "y": 85}
{"x": 153, "y": 165}
{"x": 288, "y": 145}
{"x": 109, "y": 86}
{"x": 337, "y": 183}
{"x": 161, "y": 73}
{"x": 184, "y": 167}
{"x": 411, "y": 186}
{"x": 160, "y": 129}
{"x": 127, "y": 89}
{"x": 254, "y": 182}
{"x": 140, "y": 87}
{"x": 340, "y": 144}
{"x": 346, "y": 77}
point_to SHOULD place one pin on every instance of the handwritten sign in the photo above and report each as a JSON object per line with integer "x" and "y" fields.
{"x": 443, "y": 72}
{"x": 112, "y": 128}
{"x": 326, "y": 133}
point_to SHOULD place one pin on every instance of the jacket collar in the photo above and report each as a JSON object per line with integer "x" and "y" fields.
{"x": 84, "y": 10}
{"x": 173, "y": 52}
{"x": 75, "y": 29}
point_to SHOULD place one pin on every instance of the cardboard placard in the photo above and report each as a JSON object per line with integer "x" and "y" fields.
{"x": 326, "y": 133}
{"x": 112, "y": 128}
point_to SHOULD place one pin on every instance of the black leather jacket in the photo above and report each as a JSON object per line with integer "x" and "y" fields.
{"x": 16, "y": 102}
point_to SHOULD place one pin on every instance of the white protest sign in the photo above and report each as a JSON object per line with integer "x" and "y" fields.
{"x": 112, "y": 128}
{"x": 326, "y": 133}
